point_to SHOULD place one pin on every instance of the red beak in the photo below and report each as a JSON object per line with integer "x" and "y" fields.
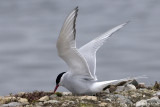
{"x": 55, "y": 88}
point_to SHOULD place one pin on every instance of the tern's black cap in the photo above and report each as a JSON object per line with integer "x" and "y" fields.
{"x": 59, "y": 77}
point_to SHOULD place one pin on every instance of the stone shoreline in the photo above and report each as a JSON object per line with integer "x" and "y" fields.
{"x": 124, "y": 94}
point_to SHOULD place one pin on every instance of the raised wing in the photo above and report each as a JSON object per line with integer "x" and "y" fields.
{"x": 89, "y": 50}
{"x": 66, "y": 47}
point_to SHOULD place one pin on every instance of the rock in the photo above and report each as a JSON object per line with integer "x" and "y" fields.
{"x": 20, "y": 94}
{"x": 12, "y": 104}
{"x": 88, "y": 98}
{"x": 158, "y": 94}
{"x": 51, "y": 102}
{"x": 23, "y": 100}
{"x": 66, "y": 93}
{"x": 119, "y": 88}
{"x": 153, "y": 100}
{"x": 1, "y": 98}
{"x": 129, "y": 87}
{"x": 71, "y": 102}
{"x": 141, "y": 103}
{"x": 39, "y": 104}
{"x": 65, "y": 104}
{"x": 68, "y": 103}
{"x": 123, "y": 100}
{"x": 141, "y": 85}
{"x": 45, "y": 98}
{"x": 108, "y": 100}
{"x": 133, "y": 82}
{"x": 52, "y": 96}
{"x": 7, "y": 99}
{"x": 102, "y": 104}
{"x": 107, "y": 91}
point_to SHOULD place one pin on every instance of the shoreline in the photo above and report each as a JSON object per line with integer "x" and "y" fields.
{"x": 123, "y": 94}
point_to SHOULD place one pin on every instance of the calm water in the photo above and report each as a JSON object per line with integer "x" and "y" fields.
{"x": 29, "y": 30}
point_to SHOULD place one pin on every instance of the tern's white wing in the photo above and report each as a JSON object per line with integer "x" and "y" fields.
{"x": 89, "y": 50}
{"x": 66, "y": 47}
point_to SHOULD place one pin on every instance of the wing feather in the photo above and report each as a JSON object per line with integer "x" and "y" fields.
{"x": 89, "y": 50}
{"x": 66, "y": 47}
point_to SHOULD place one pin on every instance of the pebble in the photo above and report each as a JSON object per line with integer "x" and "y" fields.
{"x": 71, "y": 102}
{"x": 108, "y": 100}
{"x": 125, "y": 95}
{"x": 102, "y": 104}
{"x": 39, "y": 104}
{"x": 153, "y": 100}
{"x": 7, "y": 99}
{"x": 51, "y": 102}
{"x": 107, "y": 91}
{"x": 1, "y": 98}
{"x": 23, "y": 100}
{"x": 119, "y": 88}
{"x": 158, "y": 94}
{"x": 45, "y": 98}
{"x": 89, "y": 98}
{"x": 66, "y": 93}
{"x": 64, "y": 104}
{"x": 133, "y": 82}
{"x": 20, "y": 94}
{"x": 123, "y": 100}
{"x": 52, "y": 96}
{"x": 141, "y": 103}
{"x": 11, "y": 104}
{"x": 129, "y": 87}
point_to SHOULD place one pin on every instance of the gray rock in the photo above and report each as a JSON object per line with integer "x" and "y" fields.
{"x": 133, "y": 82}
{"x": 39, "y": 104}
{"x": 141, "y": 103}
{"x": 94, "y": 98}
{"x": 12, "y": 104}
{"x": 158, "y": 94}
{"x": 107, "y": 91}
{"x": 153, "y": 100}
{"x": 129, "y": 87}
{"x": 119, "y": 88}
{"x": 123, "y": 100}
{"x": 65, "y": 104}
{"x": 51, "y": 102}
{"x": 52, "y": 96}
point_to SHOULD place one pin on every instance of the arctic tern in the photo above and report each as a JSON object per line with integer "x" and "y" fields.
{"x": 80, "y": 77}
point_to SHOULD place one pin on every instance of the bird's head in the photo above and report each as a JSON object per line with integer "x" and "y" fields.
{"x": 58, "y": 81}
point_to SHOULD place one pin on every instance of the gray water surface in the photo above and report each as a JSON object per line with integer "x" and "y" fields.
{"x": 29, "y": 30}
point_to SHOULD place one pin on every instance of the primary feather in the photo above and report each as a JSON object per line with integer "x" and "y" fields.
{"x": 66, "y": 47}
{"x": 89, "y": 50}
